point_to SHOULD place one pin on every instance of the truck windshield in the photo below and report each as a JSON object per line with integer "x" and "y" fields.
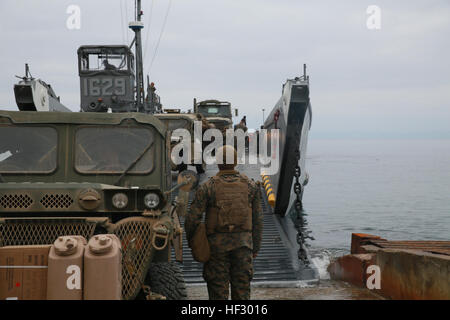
{"x": 113, "y": 150}
{"x": 215, "y": 111}
{"x": 27, "y": 149}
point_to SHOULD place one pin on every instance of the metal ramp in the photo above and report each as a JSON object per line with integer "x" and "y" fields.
{"x": 273, "y": 262}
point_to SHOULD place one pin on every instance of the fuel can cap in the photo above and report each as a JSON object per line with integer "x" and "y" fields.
{"x": 100, "y": 244}
{"x": 65, "y": 245}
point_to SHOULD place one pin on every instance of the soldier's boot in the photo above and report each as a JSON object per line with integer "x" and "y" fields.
{"x": 218, "y": 291}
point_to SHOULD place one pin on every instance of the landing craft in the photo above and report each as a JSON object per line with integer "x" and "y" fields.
{"x": 111, "y": 79}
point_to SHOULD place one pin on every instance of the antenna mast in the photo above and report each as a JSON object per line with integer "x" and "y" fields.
{"x": 137, "y": 26}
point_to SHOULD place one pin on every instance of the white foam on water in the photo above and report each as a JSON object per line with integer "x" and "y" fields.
{"x": 321, "y": 261}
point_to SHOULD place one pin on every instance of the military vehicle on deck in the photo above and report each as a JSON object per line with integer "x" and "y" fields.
{"x": 92, "y": 173}
{"x": 216, "y": 112}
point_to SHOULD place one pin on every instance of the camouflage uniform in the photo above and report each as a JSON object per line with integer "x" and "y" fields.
{"x": 232, "y": 253}
{"x": 241, "y": 125}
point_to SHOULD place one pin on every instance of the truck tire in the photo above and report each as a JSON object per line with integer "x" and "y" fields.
{"x": 167, "y": 279}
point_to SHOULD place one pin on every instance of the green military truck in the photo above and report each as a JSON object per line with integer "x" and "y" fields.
{"x": 94, "y": 173}
{"x": 106, "y": 169}
{"x": 216, "y": 112}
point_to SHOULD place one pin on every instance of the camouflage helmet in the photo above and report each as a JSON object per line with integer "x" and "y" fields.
{"x": 221, "y": 158}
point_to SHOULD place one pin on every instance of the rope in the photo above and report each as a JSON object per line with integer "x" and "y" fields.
{"x": 160, "y": 36}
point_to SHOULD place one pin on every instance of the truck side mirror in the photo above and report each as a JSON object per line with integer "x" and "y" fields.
{"x": 187, "y": 180}
{"x": 235, "y": 112}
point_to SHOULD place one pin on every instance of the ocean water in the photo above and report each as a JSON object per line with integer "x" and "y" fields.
{"x": 396, "y": 189}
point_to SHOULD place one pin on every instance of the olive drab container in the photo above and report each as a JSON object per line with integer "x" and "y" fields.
{"x": 65, "y": 268}
{"x": 103, "y": 268}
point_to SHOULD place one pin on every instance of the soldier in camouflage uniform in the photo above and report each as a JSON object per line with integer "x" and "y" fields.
{"x": 233, "y": 217}
{"x": 242, "y": 125}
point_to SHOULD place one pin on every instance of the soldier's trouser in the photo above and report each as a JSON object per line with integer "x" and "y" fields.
{"x": 232, "y": 267}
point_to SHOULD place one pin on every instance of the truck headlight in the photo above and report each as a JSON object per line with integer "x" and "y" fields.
{"x": 120, "y": 200}
{"x": 151, "y": 200}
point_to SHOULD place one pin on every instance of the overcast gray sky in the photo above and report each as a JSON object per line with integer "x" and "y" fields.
{"x": 387, "y": 83}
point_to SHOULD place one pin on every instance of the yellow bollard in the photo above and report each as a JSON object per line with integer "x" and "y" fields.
{"x": 271, "y": 199}
{"x": 269, "y": 190}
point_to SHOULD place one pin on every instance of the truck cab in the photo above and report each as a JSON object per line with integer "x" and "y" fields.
{"x": 216, "y": 112}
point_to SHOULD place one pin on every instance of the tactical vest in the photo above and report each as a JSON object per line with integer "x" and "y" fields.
{"x": 232, "y": 211}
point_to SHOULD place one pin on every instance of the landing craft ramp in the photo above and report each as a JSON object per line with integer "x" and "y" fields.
{"x": 275, "y": 261}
